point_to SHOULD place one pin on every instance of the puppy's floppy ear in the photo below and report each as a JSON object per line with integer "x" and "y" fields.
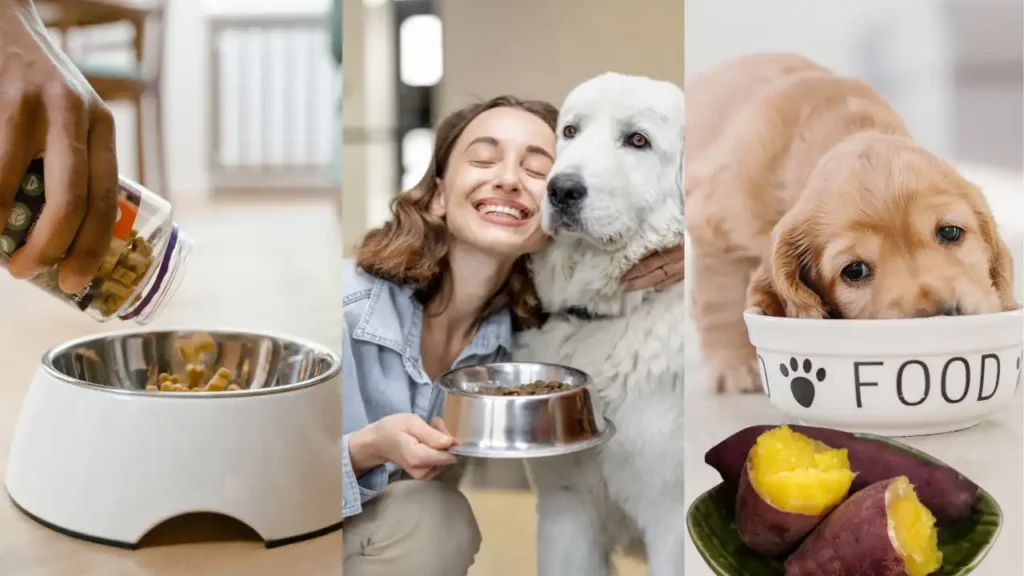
{"x": 781, "y": 282}
{"x": 761, "y": 292}
{"x": 1001, "y": 260}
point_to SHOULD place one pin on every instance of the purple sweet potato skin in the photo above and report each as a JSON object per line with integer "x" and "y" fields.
{"x": 852, "y": 541}
{"x": 945, "y": 492}
{"x": 766, "y": 529}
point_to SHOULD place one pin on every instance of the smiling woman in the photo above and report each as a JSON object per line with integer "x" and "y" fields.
{"x": 444, "y": 284}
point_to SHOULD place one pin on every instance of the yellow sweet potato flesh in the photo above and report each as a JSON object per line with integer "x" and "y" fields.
{"x": 796, "y": 474}
{"x": 912, "y": 529}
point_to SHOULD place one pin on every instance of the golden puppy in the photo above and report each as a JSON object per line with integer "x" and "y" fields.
{"x": 811, "y": 200}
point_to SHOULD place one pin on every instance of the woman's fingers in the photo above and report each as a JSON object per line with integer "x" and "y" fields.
{"x": 93, "y": 238}
{"x": 675, "y": 272}
{"x": 15, "y": 151}
{"x": 423, "y": 456}
{"x": 438, "y": 424}
{"x": 428, "y": 435}
{"x": 657, "y": 270}
{"x": 66, "y": 173}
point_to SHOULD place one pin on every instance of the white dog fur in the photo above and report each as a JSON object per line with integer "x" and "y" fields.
{"x": 628, "y": 493}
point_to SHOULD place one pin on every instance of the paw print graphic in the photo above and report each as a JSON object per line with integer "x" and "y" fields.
{"x": 801, "y": 385}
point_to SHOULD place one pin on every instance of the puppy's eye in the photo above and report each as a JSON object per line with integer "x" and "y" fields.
{"x": 637, "y": 140}
{"x": 949, "y": 234}
{"x": 856, "y": 272}
{"x": 569, "y": 132}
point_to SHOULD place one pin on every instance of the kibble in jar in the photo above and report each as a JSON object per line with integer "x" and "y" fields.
{"x": 143, "y": 264}
{"x": 535, "y": 388}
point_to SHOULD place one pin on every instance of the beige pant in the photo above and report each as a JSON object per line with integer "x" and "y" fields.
{"x": 415, "y": 527}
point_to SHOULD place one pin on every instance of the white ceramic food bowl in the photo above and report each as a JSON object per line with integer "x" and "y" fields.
{"x": 97, "y": 457}
{"x": 889, "y": 377}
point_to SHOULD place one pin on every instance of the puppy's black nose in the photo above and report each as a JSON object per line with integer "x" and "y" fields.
{"x": 950, "y": 309}
{"x": 566, "y": 189}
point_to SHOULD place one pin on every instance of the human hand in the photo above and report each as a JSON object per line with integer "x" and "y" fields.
{"x": 658, "y": 270}
{"x": 405, "y": 439}
{"x": 48, "y": 109}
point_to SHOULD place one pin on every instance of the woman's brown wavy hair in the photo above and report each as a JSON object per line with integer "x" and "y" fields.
{"x": 412, "y": 248}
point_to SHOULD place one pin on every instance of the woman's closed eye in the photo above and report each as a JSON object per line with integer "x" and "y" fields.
{"x": 537, "y": 169}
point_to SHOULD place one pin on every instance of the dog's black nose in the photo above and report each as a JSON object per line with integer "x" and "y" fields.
{"x": 566, "y": 189}
{"x": 950, "y": 309}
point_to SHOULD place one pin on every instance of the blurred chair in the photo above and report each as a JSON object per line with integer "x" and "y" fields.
{"x": 136, "y": 83}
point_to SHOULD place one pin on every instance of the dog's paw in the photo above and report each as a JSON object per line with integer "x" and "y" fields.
{"x": 740, "y": 377}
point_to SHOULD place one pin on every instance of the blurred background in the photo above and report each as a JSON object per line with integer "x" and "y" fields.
{"x": 410, "y": 62}
{"x": 953, "y": 68}
{"x": 231, "y": 109}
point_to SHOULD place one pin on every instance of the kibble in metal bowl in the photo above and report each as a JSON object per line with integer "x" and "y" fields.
{"x": 535, "y": 388}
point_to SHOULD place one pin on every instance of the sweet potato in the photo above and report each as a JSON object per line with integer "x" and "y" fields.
{"x": 789, "y": 484}
{"x": 944, "y": 491}
{"x": 883, "y": 530}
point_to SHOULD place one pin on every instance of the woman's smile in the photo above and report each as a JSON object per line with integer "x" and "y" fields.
{"x": 503, "y": 211}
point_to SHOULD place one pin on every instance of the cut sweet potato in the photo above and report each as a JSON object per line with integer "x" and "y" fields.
{"x": 944, "y": 491}
{"x": 789, "y": 484}
{"x": 883, "y": 530}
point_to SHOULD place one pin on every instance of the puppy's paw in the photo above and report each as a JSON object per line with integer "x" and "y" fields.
{"x": 740, "y": 377}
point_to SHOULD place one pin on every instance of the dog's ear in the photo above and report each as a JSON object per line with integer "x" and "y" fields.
{"x": 1001, "y": 260}
{"x": 788, "y": 270}
{"x": 761, "y": 292}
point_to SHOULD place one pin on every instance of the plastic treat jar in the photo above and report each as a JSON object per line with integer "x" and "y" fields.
{"x": 143, "y": 265}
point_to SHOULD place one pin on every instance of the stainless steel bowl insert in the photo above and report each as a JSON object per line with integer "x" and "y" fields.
{"x": 125, "y": 362}
{"x": 488, "y": 426}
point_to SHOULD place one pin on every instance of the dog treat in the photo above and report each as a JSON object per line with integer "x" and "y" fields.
{"x": 195, "y": 378}
{"x": 121, "y": 273}
{"x": 535, "y": 388}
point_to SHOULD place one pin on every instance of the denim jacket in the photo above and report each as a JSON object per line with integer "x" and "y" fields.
{"x": 381, "y": 369}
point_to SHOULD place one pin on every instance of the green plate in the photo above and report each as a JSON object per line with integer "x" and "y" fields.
{"x": 712, "y": 525}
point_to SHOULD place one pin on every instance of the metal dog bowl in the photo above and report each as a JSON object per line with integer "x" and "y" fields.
{"x": 126, "y": 362}
{"x": 488, "y": 426}
{"x": 96, "y": 456}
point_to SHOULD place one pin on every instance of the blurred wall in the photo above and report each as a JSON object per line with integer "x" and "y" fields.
{"x": 530, "y": 48}
{"x": 186, "y": 89}
{"x": 954, "y": 69}
{"x": 542, "y": 48}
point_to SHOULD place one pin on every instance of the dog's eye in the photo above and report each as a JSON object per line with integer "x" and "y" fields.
{"x": 569, "y": 131}
{"x": 856, "y": 272}
{"x": 949, "y": 234}
{"x": 637, "y": 140}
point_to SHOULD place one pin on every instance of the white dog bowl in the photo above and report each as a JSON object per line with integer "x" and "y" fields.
{"x": 889, "y": 377}
{"x": 97, "y": 457}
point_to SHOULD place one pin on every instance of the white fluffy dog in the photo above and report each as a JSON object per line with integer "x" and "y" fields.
{"x": 615, "y": 193}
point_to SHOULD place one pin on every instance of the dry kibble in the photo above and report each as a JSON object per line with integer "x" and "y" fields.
{"x": 195, "y": 374}
{"x": 196, "y": 371}
{"x": 121, "y": 274}
{"x": 532, "y": 389}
